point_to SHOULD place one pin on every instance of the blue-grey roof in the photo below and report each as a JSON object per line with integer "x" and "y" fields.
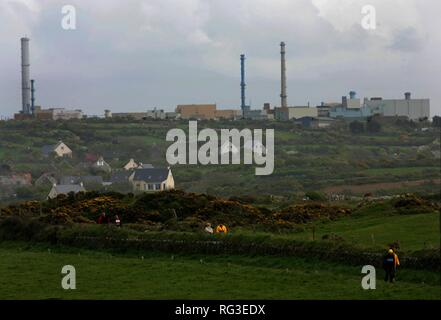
{"x": 66, "y": 188}
{"x": 84, "y": 179}
{"x": 47, "y": 149}
{"x": 92, "y": 179}
{"x": 151, "y": 174}
{"x": 121, "y": 176}
{"x": 65, "y": 180}
{"x": 145, "y": 166}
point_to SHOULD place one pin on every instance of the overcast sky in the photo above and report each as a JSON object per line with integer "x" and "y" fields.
{"x": 138, "y": 54}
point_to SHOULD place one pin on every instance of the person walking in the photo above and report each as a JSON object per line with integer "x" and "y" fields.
{"x": 208, "y": 228}
{"x": 118, "y": 222}
{"x": 102, "y": 219}
{"x": 390, "y": 264}
{"x": 221, "y": 229}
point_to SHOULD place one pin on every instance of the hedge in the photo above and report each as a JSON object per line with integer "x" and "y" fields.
{"x": 103, "y": 237}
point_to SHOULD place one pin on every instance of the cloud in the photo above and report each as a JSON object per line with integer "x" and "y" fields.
{"x": 408, "y": 40}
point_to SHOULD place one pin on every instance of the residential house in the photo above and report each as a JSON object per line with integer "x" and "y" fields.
{"x": 60, "y": 149}
{"x": 120, "y": 177}
{"x": 85, "y": 180}
{"x": 145, "y": 165}
{"x": 101, "y": 165}
{"x": 65, "y": 180}
{"x": 131, "y": 165}
{"x": 152, "y": 179}
{"x": 65, "y": 189}
{"x": 46, "y": 179}
{"x": 90, "y": 157}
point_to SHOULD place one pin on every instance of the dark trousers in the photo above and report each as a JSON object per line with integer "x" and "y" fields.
{"x": 390, "y": 275}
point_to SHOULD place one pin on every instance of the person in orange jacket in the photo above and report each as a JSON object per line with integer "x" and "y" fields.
{"x": 221, "y": 229}
{"x": 390, "y": 264}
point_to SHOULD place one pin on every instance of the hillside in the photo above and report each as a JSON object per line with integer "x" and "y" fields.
{"x": 399, "y": 158}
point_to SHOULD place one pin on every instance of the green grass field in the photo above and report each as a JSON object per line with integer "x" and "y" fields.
{"x": 414, "y": 232}
{"x": 34, "y": 272}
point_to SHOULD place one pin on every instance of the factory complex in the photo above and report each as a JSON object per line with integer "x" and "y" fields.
{"x": 350, "y": 107}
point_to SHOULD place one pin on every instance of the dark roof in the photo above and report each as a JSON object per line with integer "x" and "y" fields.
{"x": 92, "y": 179}
{"x": 151, "y": 174}
{"x": 47, "y": 149}
{"x": 65, "y": 189}
{"x": 145, "y": 166}
{"x": 121, "y": 176}
{"x": 69, "y": 180}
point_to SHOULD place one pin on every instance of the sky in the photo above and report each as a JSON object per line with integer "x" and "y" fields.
{"x": 134, "y": 55}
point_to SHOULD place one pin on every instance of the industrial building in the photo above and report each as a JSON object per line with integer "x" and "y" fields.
{"x": 350, "y": 107}
{"x": 206, "y": 112}
{"x": 314, "y": 123}
{"x": 413, "y": 109}
{"x": 50, "y": 114}
{"x": 29, "y": 110}
{"x": 289, "y": 113}
{"x": 262, "y": 114}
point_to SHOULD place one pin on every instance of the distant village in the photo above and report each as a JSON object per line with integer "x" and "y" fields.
{"x": 132, "y": 177}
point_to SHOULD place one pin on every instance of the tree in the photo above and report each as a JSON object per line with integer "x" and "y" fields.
{"x": 436, "y": 121}
{"x": 356, "y": 127}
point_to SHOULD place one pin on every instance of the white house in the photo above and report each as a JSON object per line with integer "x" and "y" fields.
{"x": 152, "y": 179}
{"x": 131, "y": 165}
{"x": 60, "y": 149}
{"x": 65, "y": 189}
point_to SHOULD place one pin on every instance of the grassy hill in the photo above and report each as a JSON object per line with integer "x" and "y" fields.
{"x": 305, "y": 159}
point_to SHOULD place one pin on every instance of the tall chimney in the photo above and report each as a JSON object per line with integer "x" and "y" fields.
{"x": 32, "y": 96}
{"x": 242, "y": 82}
{"x": 25, "y": 80}
{"x": 283, "y": 95}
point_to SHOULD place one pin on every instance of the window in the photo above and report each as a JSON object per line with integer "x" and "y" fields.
{"x": 150, "y": 186}
{"x": 158, "y": 186}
